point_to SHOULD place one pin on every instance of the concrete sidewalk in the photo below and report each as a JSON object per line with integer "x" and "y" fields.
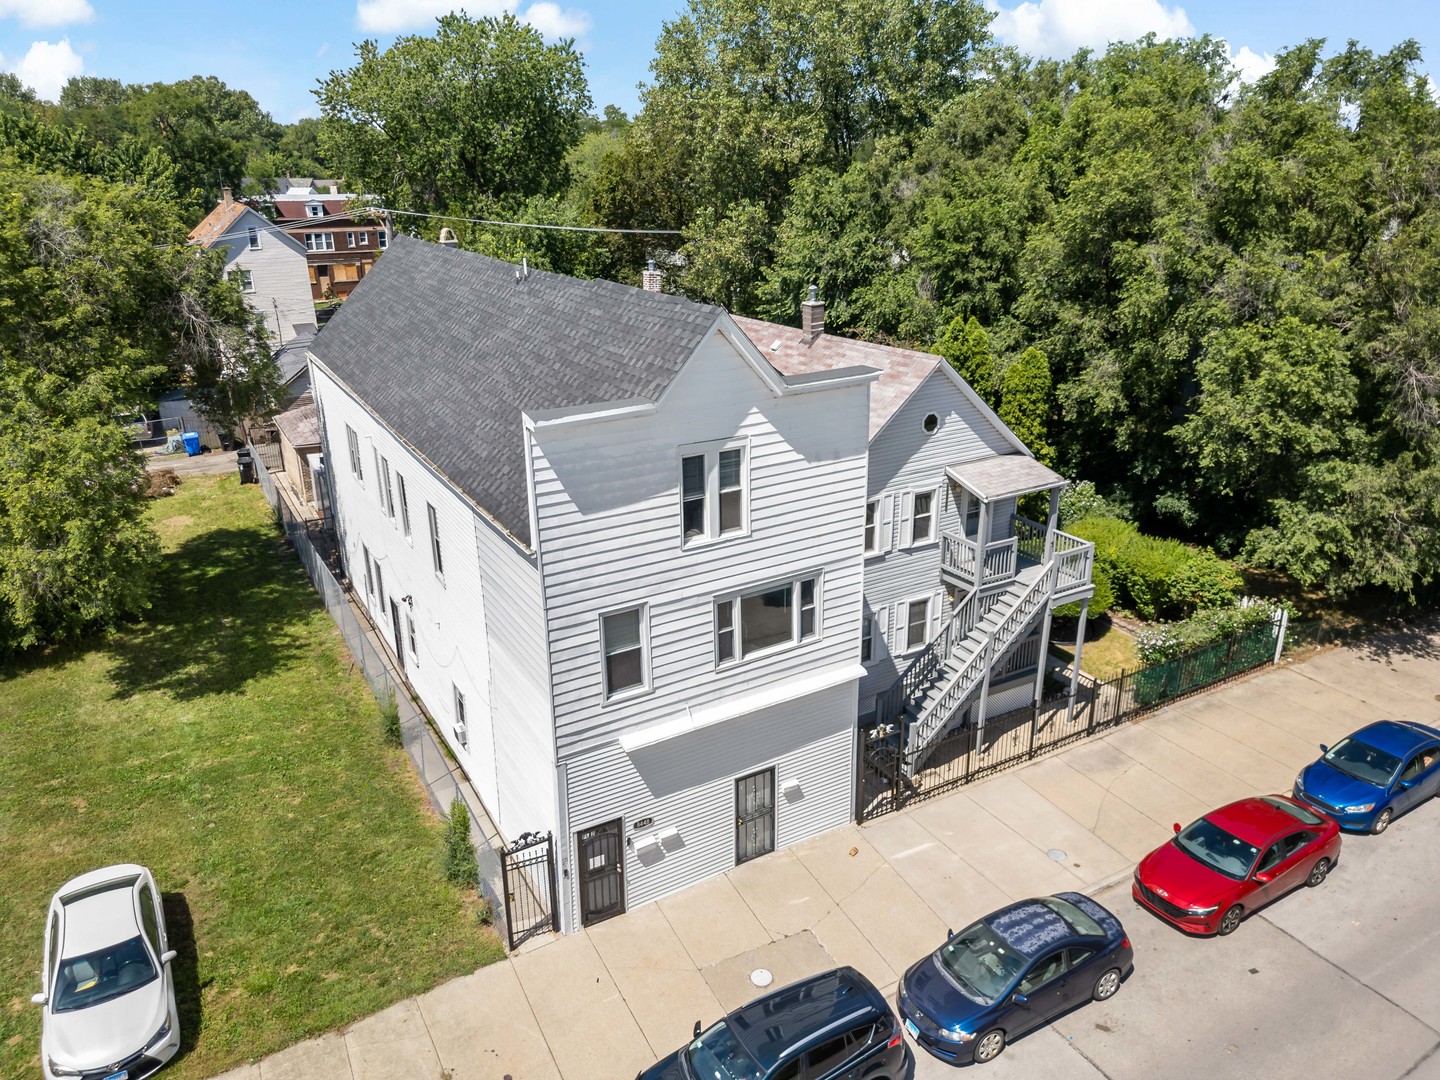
{"x": 608, "y": 1001}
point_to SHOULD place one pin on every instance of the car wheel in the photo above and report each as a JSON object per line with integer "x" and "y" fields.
{"x": 1318, "y": 872}
{"x": 1106, "y": 985}
{"x": 1231, "y": 920}
{"x": 1382, "y": 821}
{"x": 990, "y": 1045}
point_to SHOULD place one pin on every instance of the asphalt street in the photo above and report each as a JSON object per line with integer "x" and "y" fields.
{"x": 1338, "y": 981}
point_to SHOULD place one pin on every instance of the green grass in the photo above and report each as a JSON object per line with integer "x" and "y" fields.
{"x": 1105, "y": 655}
{"x": 227, "y": 743}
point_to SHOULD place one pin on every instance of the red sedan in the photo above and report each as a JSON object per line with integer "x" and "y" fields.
{"x": 1234, "y": 860}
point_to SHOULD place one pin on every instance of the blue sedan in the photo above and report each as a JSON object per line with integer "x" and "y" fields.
{"x": 1010, "y": 972}
{"x": 1369, "y": 778}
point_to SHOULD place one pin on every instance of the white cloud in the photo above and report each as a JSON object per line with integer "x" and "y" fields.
{"x": 1250, "y": 64}
{"x": 1434, "y": 88}
{"x": 1059, "y": 27}
{"x": 46, "y": 12}
{"x": 396, "y": 16}
{"x": 46, "y": 68}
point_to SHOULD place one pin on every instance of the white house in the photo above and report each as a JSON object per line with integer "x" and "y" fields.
{"x": 269, "y": 264}
{"x": 618, "y": 552}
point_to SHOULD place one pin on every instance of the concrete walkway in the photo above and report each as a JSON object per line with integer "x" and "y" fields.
{"x": 607, "y": 1002}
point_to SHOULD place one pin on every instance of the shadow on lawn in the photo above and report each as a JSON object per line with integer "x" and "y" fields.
{"x": 228, "y": 611}
{"x": 185, "y": 968}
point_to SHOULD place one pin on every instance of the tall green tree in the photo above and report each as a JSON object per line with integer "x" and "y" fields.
{"x": 966, "y": 347}
{"x": 1027, "y": 398}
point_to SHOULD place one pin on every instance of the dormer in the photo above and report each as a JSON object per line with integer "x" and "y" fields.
{"x": 315, "y": 208}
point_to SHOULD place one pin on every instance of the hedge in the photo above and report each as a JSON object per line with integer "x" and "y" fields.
{"x": 1155, "y": 578}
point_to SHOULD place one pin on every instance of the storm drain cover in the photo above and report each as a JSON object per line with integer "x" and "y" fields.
{"x": 761, "y": 977}
{"x": 1056, "y": 854}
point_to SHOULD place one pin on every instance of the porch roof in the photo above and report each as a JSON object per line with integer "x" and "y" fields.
{"x": 1004, "y": 475}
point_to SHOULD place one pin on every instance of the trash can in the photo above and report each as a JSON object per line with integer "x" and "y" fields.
{"x": 192, "y": 442}
{"x": 246, "y": 464}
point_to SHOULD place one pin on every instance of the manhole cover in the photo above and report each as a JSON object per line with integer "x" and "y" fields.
{"x": 761, "y": 977}
{"x": 1056, "y": 854}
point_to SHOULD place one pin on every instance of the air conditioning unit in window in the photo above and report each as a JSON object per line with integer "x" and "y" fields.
{"x": 462, "y": 735}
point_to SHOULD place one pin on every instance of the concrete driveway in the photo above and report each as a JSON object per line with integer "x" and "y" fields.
{"x": 607, "y": 1002}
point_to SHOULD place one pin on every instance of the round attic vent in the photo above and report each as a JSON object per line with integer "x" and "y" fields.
{"x": 931, "y": 423}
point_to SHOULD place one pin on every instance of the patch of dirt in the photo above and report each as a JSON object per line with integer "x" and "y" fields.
{"x": 178, "y": 521}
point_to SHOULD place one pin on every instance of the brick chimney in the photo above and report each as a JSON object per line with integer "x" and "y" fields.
{"x": 812, "y": 316}
{"x": 225, "y": 197}
{"x": 650, "y": 277}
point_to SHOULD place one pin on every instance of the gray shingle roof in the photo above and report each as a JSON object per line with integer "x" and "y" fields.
{"x": 447, "y": 347}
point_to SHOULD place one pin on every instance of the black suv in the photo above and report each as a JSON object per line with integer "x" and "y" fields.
{"x": 825, "y": 1027}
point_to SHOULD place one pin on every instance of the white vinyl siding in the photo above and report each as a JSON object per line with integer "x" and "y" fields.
{"x": 274, "y": 276}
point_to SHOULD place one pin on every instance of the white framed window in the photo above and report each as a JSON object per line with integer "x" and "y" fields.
{"x": 350, "y": 239}
{"x": 917, "y": 624}
{"x": 243, "y": 276}
{"x": 253, "y": 235}
{"x": 319, "y": 241}
{"x": 382, "y": 239}
{"x": 410, "y": 634}
{"x": 872, "y": 527}
{"x": 462, "y": 725}
{"x": 622, "y": 647}
{"x": 758, "y": 621}
{"x": 369, "y": 574}
{"x": 379, "y": 486}
{"x": 972, "y": 517}
{"x": 923, "y": 507}
{"x": 867, "y": 640}
{"x": 353, "y": 441}
{"x": 364, "y": 239}
{"x": 314, "y": 209}
{"x": 404, "y": 504}
{"x": 387, "y": 493}
{"x": 714, "y": 492}
{"x": 436, "y": 558}
{"x": 380, "y": 589}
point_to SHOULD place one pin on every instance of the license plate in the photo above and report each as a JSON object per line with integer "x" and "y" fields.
{"x": 123, "y": 1074}
{"x": 909, "y": 1026}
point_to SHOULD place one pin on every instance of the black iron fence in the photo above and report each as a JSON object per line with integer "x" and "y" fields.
{"x": 528, "y": 867}
{"x": 894, "y": 774}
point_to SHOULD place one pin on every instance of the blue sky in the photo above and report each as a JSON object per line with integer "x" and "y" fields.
{"x": 277, "y": 50}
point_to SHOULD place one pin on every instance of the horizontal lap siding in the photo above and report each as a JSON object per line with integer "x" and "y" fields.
{"x": 608, "y": 514}
{"x": 480, "y": 628}
{"x": 279, "y": 274}
{"x": 688, "y": 783}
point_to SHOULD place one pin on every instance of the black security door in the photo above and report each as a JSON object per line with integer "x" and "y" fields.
{"x": 754, "y": 815}
{"x": 602, "y": 869}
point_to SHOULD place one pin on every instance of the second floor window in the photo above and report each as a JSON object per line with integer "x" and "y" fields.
{"x": 436, "y": 558}
{"x": 254, "y": 237}
{"x": 387, "y": 493}
{"x": 713, "y": 493}
{"x": 766, "y": 618}
{"x": 363, "y": 238}
{"x": 319, "y": 241}
{"x": 353, "y": 441}
{"x": 872, "y": 526}
{"x": 404, "y": 504}
{"x": 349, "y": 239}
{"x": 382, "y": 238}
{"x": 622, "y": 640}
{"x": 243, "y": 276}
{"x": 922, "y": 517}
{"x": 917, "y": 623}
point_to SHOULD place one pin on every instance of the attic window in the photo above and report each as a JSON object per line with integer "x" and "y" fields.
{"x": 930, "y": 423}
{"x": 315, "y": 209}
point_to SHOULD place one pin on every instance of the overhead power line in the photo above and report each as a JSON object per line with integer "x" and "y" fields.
{"x": 516, "y": 224}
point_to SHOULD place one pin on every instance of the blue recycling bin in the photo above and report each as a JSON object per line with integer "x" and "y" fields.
{"x": 192, "y": 442}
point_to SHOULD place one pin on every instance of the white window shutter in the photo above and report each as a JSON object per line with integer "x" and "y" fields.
{"x": 882, "y": 524}
{"x": 937, "y": 613}
{"x": 906, "y": 507}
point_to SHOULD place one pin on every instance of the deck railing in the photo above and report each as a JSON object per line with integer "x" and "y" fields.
{"x": 958, "y": 555}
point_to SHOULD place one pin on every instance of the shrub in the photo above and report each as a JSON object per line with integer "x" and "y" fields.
{"x": 1100, "y": 602}
{"x": 458, "y": 860}
{"x": 1157, "y": 644}
{"x": 390, "y": 720}
{"x": 1157, "y": 578}
{"x": 1205, "y": 581}
{"x": 1080, "y": 500}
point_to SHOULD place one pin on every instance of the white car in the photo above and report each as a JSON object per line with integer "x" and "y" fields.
{"x": 107, "y": 989}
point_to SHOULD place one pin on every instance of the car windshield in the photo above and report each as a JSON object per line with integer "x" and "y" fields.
{"x": 101, "y": 975}
{"x": 1295, "y": 810}
{"x": 1077, "y": 920}
{"x": 1207, "y": 843}
{"x": 718, "y": 1055}
{"x": 1361, "y": 761}
{"x": 981, "y": 963}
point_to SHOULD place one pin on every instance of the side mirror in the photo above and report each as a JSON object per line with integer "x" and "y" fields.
{"x": 39, "y": 999}
{"x": 1324, "y": 749}
{"x": 949, "y": 933}
{"x": 1405, "y": 785}
{"x": 167, "y": 956}
{"x": 1020, "y": 999}
{"x": 1262, "y": 877}
{"x": 696, "y": 1033}
{"x": 1176, "y": 827}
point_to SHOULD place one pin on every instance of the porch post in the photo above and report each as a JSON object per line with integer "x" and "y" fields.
{"x": 1075, "y": 668}
{"x": 1044, "y": 652}
{"x": 982, "y": 537}
{"x": 1053, "y": 523}
{"x": 982, "y": 705}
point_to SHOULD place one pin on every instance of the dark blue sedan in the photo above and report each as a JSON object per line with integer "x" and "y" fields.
{"x": 1010, "y": 972}
{"x": 1368, "y": 779}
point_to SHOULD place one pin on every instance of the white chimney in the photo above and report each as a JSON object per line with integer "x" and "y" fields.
{"x": 650, "y": 277}
{"x": 447, "y": 237}
{"x": 225, "y": 196}
{"x": 812, "y": 316}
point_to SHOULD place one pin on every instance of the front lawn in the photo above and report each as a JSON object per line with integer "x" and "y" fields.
{"x": 227, "y": 743}
{"x": 1105, "y": 655}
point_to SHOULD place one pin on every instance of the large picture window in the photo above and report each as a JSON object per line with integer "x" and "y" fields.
{"x": 777, "y": 615}
{"x": 622, "y": 640}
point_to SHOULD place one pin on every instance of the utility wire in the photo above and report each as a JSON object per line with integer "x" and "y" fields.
{"x": 517, "y": 224}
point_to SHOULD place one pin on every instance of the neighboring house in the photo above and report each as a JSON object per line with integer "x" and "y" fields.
{"x": 294, "y": 363}
{"x": 269, "y": 265}
{"x": 647, "y": 564}
{"x": 939, "y": 647}
{"x": 339, "y": 250}
{"x": 298, "y": 431}
{"x": 617, "y": 552}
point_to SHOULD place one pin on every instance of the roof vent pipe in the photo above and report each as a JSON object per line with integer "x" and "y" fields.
{"x": 812, "y": 316}
{"x": 447, "y": 237}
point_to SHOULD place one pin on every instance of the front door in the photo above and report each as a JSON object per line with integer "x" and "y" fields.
{"x": 602, "y": 871}
{"x": 754, "y": 815}
{"x": 399, "y": 640}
